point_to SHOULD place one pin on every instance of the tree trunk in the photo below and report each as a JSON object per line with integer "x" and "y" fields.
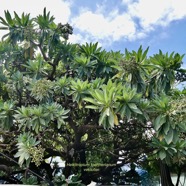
{"x": 165, "y": 175}
{"x": 85, "y": 177}
{"x": 68, "y": 167}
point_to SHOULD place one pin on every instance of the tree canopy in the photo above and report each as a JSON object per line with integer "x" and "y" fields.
{"x": 97, "y": 110}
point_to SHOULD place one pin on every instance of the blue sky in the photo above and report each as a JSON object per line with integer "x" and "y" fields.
{"x": 116, "y": 24}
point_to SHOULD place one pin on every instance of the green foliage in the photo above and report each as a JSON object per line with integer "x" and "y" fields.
{"x": 34, "y": 67}
{"x": 56, "y": 112}
{"x": 79, "y": 89}
{"x": 32, "y": 180}
{"x": 62, "y": 86}
{"x": 166, "y": 152}
{"x": 41, "y": 89}
{"x": 90, "y": 50}
{"x": 38, "y": 118}
{"x": 169, "y": 140}
{"x": 161, "y": 104}
{"x": 45, "y": 21}
{"x": 6, "y": 115}
{"x": 114, "y": 99}
{"x": 132, "y": 69}
{"x": 84, "y": 66}
{"x": 57, "y": 99}
{"x": 18, "y": 26}
{"x": 25, "y": 142}
{"x": 167, "y": 65}
{"x": 129, "y": 100}
{"x": 71, "y": 181}
{"x": 104, "y": 101}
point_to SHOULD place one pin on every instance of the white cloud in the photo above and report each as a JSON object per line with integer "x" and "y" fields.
{"x": 83, "y": 39}
{"x": 60, "y": 9}
{"x": 78, "y": 38}
{"x": 157, "y": 12}
{"x": 100, "y": 27}
{"x": 91, "y": 23}
{"x": 149, "y": 12}
{"x": 138, "y": 19}
{"x": 178, "y": 10}
{"x": 127, "y": 1}
{"x": 114, "y": 26}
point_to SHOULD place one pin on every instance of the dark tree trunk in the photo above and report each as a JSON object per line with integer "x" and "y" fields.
{"x": 68, "y": 167}
{"x": 85, "y": 177}
{"x": 165, "y": 175}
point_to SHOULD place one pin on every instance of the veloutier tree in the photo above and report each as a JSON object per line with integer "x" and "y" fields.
{"x": 97, "y": 110}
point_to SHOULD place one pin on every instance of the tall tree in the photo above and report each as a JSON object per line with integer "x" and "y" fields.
{"x": 97, "y": 110}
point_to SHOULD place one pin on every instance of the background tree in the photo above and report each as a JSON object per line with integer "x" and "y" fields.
{"x": 97, "y": 110}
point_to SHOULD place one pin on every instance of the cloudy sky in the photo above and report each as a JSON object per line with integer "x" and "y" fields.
{"x": 116, "y": 24}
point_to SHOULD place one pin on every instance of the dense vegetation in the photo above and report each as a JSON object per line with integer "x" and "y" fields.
{"x": 95, "y": 109}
